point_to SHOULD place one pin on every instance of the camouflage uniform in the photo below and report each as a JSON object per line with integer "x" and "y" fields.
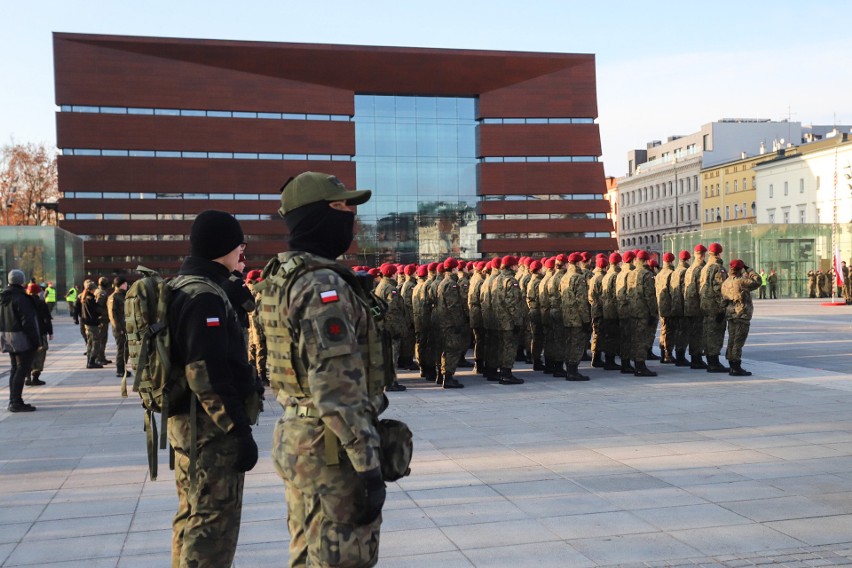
{"x": 475, "y": 318}
{"x": 812, "y": 284}
{"x": 523, "y": 278}
{"x": 596, "y": 304}
{"x": 507, "y": 313}
{"x": 491, "y": 354}
{"x": 101, "y": 296}
{"x": 713, "y": 306}
{"x": 258, "y": 351}
{"x": 625, "y": 320}
{"x": 464, "y": 288}
{"x": 693, "y": 319}
{"x": 115, "y": 307}
{"x": 643, "y": 310}
{"x": 668, "y": 324}
{"x": 453, "y": 323}
{"x": 536, "y": 326}
{"x": 406, "y": 345}
{"x": 677, "y": 283}
{"x": 736, "y": 292}
{"x": 331, "y": 397}
{"x": 610, "y": 330}
{"x": 394, "y": 319}
{"x": 544, "y": 307}
{"x": 557, "y": 328}
{"x": 421, "y": 309}
{"x": 575, "y": 317}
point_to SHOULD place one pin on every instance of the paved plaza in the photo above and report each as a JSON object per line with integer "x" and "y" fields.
{"x": 687, "y": 468}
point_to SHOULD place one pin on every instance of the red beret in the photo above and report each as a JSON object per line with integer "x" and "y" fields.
{"x": 509, "y": 260}
{"x": 387, "y": 269}
{"x": 737, "y": 264}
{"x": 254, "y": 275}
{"x": 535, "y": 265}
{"x": 600, "y": 255}
{"x": 684, "y": 255}
{"x": 643, "y": 255}
{"x": 585, "y": 256}
{"x": 715, "y": 248}
{"x": 451, "y": 263}
{"x": 575, "y": 257}
{"x": 549, "y": 262}
{"x": 470, "y": 265}
{"x": 668, "y": 257}
{"x": 614, "y": 258}
{"x": 653, "y": 263}
{"x": 440, "y": 268}
{"x": 423, "y": 271}
{"x": 561, "y": 258}
{"x": 628, "y": 256}
{"x": 373, "y": 272}
{"x": 33, "y": 288}
{"x": 433, "y": 266}
{"x": 601, "y": 262}
{"x": 410, "y": 269}
{"x": 700, "y": 248}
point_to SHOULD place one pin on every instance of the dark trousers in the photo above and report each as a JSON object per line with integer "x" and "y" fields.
{"x": 762, "y": 293}
{"x": 21, "y": 365}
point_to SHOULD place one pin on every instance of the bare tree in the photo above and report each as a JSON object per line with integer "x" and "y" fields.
{"x": 27, "y": 178}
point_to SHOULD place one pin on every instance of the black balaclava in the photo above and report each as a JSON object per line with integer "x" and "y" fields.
{"x": 319, "y": 229}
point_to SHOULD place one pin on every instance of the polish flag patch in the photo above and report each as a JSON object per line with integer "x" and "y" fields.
{"x": 329, "y": 296}
{"x": 213, "y": 322}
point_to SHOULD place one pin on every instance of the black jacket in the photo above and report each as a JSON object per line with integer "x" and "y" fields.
{"x": 89, "y": 309}
{"x": 203, "y": 329}
{"x": 45, "y": 320}
{"x": 19, "y": 319}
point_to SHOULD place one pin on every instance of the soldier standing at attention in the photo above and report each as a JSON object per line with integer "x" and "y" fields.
{"x": 773, "y": 284}
{"x": 209, "y": 347}
{"x": 536, "y": 327}
{"x": 115, "y": 307}
{"x": 625, "y": 320}
{"x": 491, "y": 355}
{"x": 325, "y": 446}
{"x": 464, "y": 288}
{"x": 475, "y": 316}
{"x": 609, "y": 330}
{"x": 693, "y": 319}
{"x": 394, "y": 317}
{"x": 523, "y": 278}
{"x": 642, "y": 306}
{"x": 677, "y": 285}
{"x": 452, "y": 320}
{"x": 507, "y": 310}
{"x": 662, "y": 283}
{"x": 557, "y": 329}
{"x": 596, "y": 304}
{"x": 812, "y": 284}
{"x": 713, "y": 308}
{"x": 421, "y": 308}
{"x": 736, "y": 292}
{"x": 257, "y": 338}
{"x": 406, "y": 345}
{"x": 576, "y": 316}
{"x": 544, "y": 307}
{"x": 101, "y": 295}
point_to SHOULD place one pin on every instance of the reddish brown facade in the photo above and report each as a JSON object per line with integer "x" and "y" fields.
{"x": 111, "y": 72}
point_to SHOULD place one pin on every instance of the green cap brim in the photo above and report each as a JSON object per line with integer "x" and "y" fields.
{"x": 356, "y": 197}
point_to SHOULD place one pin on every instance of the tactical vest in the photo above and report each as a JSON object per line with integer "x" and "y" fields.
{"x": 287, "y": 372}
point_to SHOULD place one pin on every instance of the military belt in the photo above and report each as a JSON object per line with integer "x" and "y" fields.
{"x": 301, "y": 412}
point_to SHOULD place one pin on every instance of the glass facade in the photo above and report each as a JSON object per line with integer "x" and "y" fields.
{"x": 418, "y": 155}
{"x": 44, "y": 253}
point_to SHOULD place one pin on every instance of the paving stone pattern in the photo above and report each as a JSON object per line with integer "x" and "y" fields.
{"x": 684, "y": 469}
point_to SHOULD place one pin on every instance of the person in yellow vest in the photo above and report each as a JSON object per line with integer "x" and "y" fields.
{"x": 71, "y": 300}
{"x": 50, "y": 297}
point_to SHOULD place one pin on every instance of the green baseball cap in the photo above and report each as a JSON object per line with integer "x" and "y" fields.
{"x": 310, "y": 187}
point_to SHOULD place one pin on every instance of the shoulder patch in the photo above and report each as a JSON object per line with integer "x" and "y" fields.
{"x": 334, "y": 329}
{"x": 329, "y": 296}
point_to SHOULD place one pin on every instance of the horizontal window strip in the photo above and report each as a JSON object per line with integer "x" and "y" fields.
{"x": 528, "y": 159}
{"x": 203, "y": 113}
{"x": 171, "y": 195}
{"x": 537, "y": 120}
{"x": 203, "y": 155}
{"x": 160, "y": 216}
{"x": 554, "y": 197}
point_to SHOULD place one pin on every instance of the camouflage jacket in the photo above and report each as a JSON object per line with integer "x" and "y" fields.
{"x": 115, "y": 307}
{"x": 736, "y": 292}
{"x": 712, "y": 277}
{"x": 507, "y": 301}
{"x": 676, "y": 285}
{"x": 596, "y": 293}
{"x": 662, "y": 283}
{"x": 486, "y": 303}
{"x": 473, "y": 300}
{"x": 394, "y": 319}
{"x": 543, "y": 297}
{"x": 523, "y": 279}
{"x": 642, "y": 298}
{"x": 554, "y": 298}
{"x": 608, "y": 292}
{"x": 532, "y": 297}
{"x": 406, "y": 291}
{"x": 692, "y": 289}
{"x": 101, "y": 297}
{"x": 621, "y": 300}
{"x": 464, "y": 287}
{"x": 256, "y": 335}
{"x": 574, "y": 297}
{"x": 450, "y": 307}
{"x": 421, "y": 306}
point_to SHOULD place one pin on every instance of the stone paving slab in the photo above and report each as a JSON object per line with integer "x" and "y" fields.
{"x": 683, "y": 469}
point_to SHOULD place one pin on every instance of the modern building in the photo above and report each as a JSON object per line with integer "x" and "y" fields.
{"x": 469, "y": 153}
{"x": 729, "y": 192}
{"x": 43, "y": 252}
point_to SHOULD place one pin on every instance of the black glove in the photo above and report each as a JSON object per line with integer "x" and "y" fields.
{"x": 246, "y": 448}
{"x": 516, "y": 330}
{"x": 652, "y": 321}
{"x": 720, "y": 317}
{"x": 374, "y": 495}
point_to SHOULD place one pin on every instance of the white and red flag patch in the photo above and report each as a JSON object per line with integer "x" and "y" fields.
{"x": 329, "y": 296}
{"x": 213, "y": 322}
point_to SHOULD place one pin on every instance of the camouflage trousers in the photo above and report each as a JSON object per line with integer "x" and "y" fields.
{"x": 737, "y": 334}
{"x": 609, "y": 336}
{"x": 668, "y": 333}
{"x": 524, "y": 337}
{"x": 575, "y": 343}
{"x": 40, "y": 356}
{"x": 478, "y": 344}
{"x": 547, "y": 341}
{"x": 206, "y": 527}
{"x": 322, "y": 501}
{"x": 423, "y": 350}
{"x": 491, "y": 354}
{"x": 121, "y": 353}
{"x": 507, "y": 348}
{"x": 536, "y": 340}
{"x": 101, "y": 341}
{"x": 694, "y": 330}
{"x": 258, "y": 353}
{"x": 627, "y": 335}
{"x": 597, "y": 340}
{"x": 641, "y": 338}
{"x": 714, "y": 336}
{"x": 455, "y": 342}
{"x": 681, "y": 336}
{"x": 560, "y": 342}
{"x": 91, "y": 342}
{"x": 82, "y": 329}
{"x": 406, "y": 345}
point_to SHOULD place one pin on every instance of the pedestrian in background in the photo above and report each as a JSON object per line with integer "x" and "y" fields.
{"x": 50, "y": 297}
{"x": 115, "y": 308}
{"x": 763, "y": 282}
{"x": 773, "y": 284}
{"x": 45, "y": 326}
{"x": 71, "y": 300}
{"x": 20, "y": 336}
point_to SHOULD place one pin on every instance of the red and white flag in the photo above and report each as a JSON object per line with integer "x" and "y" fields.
{"x": 329, "y": 296}
{"x": 213, "y": 322}
{"x": 838, "y": 267}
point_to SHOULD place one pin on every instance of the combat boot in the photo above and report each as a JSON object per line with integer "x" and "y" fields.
{"x": 626, "y": 367}
{"x": 559, "y": 369}
{"x": 651, "y": 356}
{"x": 507, "y": 378}
{"x": 642, "y": 370}
{"x": 396, "y": 387}
{"x": 492, "y": 374}
{"x": 737, "y": 370}
{"x": 573, "y": 374}
{"x": 538, "y": 365}
{"x": 610, "y": 364}
{"x": 597, "y": 360}
{"x": 681, "y": 360}
{"x": 548, "y": 366}
{"x": 697, "y": 363}
{"x": 451, "y": 383}
{"x": 92, "y": 364}
{"x": 33, "y": 380}
{"x": 715, "y": 366}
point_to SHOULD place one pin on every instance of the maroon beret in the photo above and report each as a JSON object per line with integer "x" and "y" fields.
{"x": 684, "y": 255}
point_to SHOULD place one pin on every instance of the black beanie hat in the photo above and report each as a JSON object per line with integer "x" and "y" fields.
{"x": 214, "y": 234}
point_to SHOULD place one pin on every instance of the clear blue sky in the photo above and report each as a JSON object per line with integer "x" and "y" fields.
{"x": 663, "y": 68}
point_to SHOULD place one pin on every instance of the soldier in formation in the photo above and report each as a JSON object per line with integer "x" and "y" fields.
{"x": 713, "y": 274}
{"x": 736, "y": 295}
